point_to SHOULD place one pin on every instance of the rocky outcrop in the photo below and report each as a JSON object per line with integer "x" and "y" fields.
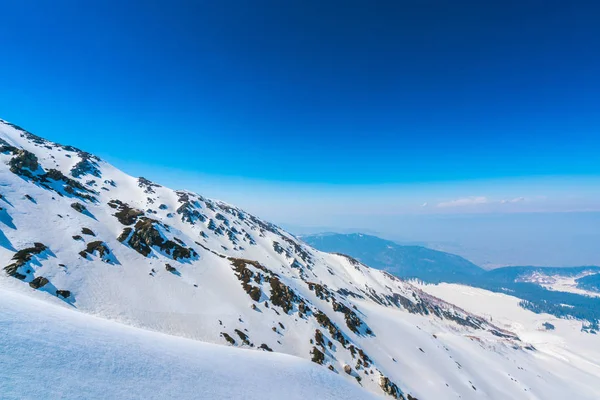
{"x": 39, "y": 282}
{"x": 21, "y": 258}
{"x": 125, "y": 214}
{"x": 146, "y": 235}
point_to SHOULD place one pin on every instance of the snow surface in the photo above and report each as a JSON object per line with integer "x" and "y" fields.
{"x": 51, "y": 352}
{"x": 560, "y": 283}
{"x": 566, "y": 344}
{"x": 428, "y": 348}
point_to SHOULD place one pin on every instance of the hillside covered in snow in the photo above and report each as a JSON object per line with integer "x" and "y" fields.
{"x": 80, "y": 234}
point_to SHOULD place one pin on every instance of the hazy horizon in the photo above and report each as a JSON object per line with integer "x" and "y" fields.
{"x": 492, "y": 240}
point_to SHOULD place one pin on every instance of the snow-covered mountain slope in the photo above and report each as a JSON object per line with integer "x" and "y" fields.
{"x": 557, "y": 340}
{"x": 51, "y": 352}
{"x": 76, "y": 229}
{"x": 561, "y": 283}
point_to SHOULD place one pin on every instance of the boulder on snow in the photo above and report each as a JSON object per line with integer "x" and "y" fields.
{"x": 38, "y": 282}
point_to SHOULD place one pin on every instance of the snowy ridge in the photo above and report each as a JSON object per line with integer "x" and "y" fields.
{"x": 79, "y": 231}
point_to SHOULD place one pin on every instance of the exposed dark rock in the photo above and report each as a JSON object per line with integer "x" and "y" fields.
{"x": 228, "y": 338}
{"x": 21, "y": 258}
{"x": 317, "y": 356}
{"x": 63, "y": 293}
{"x": 352, "y": 320}
{"x": 265, "y": 347}
{"x": 390, "y": 388}
{"x": 77, "y": 237}
{"x": 319, "y": 338}
{"x": 53, "y": 180}
{"x": 146, "y": 235}
{"x": 97, "y": 246}
{"x": 5, "y": 147}
{"x": 147, "y": 185}
{"x": 334, "y": 331}
{"x": 321, "y": 291}
{"x": 282, "y": 295}
{"x": 548, "y": 326}
{"x": 245, "y": 275}
{"x": 125, "y": 214}
{"x": 124, "y": 235}
{"x": 243, "y": 336}
{"x": 87, "y": 231}
{"x": 38, "y": 282}
{"x": 189, "y": 213}
{"x": 24, "y": 163}
{"x": 171, "y": 269}
{"x": 86, "y": 165}
{"x": 78, "y": 207}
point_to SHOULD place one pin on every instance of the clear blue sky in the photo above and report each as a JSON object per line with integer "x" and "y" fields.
{"x": 403, "y": 105}
{"x": 343, "y": 92}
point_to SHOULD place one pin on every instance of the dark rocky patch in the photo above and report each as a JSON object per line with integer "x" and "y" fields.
{"x": 125, "y": 214}
{"x": 147, "y": 185}
{"x": 38, "y": 282}
{"x": 243, "y": 336}
{"x": 265, "y": 347}
{"x": 87, "y": 231}
{"x": 189, "y": 213}
{"x": 78, "y": 207}
{"x": 321, "y": 291}
{"x": 97, "y": 246}
{"x": 86, "y": 165}
{"x": 147, "y": 235}
{"x": 24, "y": 163}
{"x": 171, "y": 269}
{"x": 319, "y": 338}
{"x": 65, "y": 294}
{"x": 282, "y": 295}
{"x": 352, "y": 320}
{"x": 229, "y": 339}
{"x": 6, "y": 148}
{"x": 548, "y": 326}
{"x": 390, "y": 388}
{"x": 317, "y": 356}
{"x": 334, "y": 331}
{"x": 245, "y": 275}
{"x": 298, "y": 249}
{"x": 124, "y": 235}
{"x": 21, "y": 258}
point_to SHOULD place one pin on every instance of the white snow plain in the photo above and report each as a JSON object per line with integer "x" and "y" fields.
{"x": 48, "y": 351}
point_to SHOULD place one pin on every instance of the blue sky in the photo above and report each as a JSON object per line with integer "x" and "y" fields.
{"x": 303, "y": 111}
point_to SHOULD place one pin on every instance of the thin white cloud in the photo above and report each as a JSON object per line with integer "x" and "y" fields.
{"x": 478, "y": 200}
{"x": 465, "y": 201}
{"x": 424, "y": 204}
{"x": 515, "y": 200}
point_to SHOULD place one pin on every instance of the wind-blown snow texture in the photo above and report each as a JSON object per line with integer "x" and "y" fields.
{"x": 78, "y": 231}
{"x": 49, "y": 352}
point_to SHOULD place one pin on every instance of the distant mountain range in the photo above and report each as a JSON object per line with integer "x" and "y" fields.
{"x": 543, "y": 289}
{"x": 399, "y": 260}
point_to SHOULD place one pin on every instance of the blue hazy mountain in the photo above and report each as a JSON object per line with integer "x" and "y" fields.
{"x": 399, "y": 260}
{"x": 590, "y": 282}
{"x": 434, "y": 266}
